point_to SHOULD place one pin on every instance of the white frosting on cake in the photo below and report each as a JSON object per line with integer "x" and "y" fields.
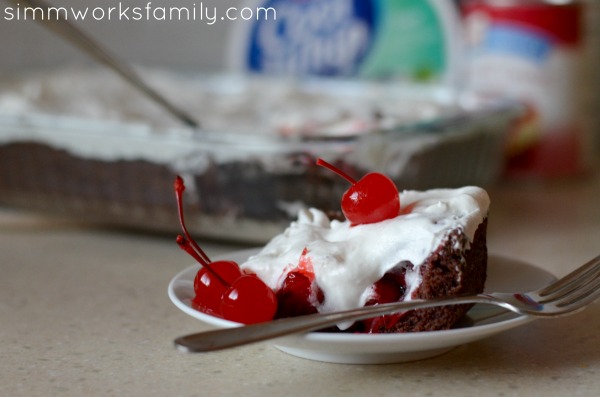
{"x": 348, "y": 260}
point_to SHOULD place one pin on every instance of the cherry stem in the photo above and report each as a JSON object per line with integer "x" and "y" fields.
{"x": 187, "y": 247}
{"x": 331, "y": 167}
{"x": 190, "y": 246}
{"x": 179, "y": 188}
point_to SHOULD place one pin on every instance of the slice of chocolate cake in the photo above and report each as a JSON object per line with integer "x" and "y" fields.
{"x": 435, "y": 247}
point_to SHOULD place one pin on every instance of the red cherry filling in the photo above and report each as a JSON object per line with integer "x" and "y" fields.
{"x": 372, "y": 199}
{"x": 390, "y": 288}
{"x": 297, "y": 295}
{"x": 220, "y": 287}
{"x": 299, "y": 292}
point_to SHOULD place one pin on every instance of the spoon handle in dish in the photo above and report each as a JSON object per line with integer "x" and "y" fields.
{"x": 87, "y": 44}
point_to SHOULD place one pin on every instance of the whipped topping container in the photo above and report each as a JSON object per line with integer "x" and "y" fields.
{"x": 348, "y": 260}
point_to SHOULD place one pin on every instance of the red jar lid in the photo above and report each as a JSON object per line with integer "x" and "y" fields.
{"x": 562, "y": 22}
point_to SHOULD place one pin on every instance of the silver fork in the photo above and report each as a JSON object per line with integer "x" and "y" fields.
{"x": 565, "y": 296}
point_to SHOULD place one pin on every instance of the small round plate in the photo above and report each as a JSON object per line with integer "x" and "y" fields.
{"x": 482, "y": 321}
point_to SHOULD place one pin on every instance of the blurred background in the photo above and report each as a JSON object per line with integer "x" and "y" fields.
{"x": 541, "y": 56}
{"x": 180, "y": 45}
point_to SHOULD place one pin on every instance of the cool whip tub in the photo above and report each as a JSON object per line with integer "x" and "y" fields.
{"x": 408, "y": 39}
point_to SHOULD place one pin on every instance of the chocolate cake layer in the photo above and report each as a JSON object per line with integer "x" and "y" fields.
{"x": 456, "y": 267}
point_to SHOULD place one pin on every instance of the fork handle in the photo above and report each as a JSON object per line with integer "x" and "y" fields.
{"x": 237, "y": 336}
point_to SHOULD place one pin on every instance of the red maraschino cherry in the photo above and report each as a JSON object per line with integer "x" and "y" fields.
{"x": 372, "y": 199}
{"x": 221, "y": 288}
{"x": 249, "y": 301}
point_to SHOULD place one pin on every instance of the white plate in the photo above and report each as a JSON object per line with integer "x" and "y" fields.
{"x": 504, "y": 275}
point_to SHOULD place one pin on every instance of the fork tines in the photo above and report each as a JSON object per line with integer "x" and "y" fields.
{"x": 581, "y": 286}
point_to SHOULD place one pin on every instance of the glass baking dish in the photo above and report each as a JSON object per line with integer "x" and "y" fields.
{"x": 247, "y": 181}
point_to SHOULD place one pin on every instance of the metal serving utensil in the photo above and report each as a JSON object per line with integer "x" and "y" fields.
{"x": 89, "y": 45}
{"x": 567, "y": 295}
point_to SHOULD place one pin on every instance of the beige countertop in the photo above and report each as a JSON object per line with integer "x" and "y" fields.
{"x": 84, "y": 312}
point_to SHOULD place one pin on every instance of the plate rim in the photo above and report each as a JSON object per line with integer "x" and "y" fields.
{"x": 294, "y": 343}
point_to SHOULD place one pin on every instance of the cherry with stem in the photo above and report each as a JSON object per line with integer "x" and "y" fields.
{"x": 237, "y": 296}
{"x": 374, "y": 198}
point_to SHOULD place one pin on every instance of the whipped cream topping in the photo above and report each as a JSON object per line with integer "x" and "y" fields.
{"x": 348, "y": 260}
{"x": 256, "y": 105}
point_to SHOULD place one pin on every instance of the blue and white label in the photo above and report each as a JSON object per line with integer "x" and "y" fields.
{"x": 521, "y": 42}
{"x": 405, "y": 39}
{"x": 311, "y": 37}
